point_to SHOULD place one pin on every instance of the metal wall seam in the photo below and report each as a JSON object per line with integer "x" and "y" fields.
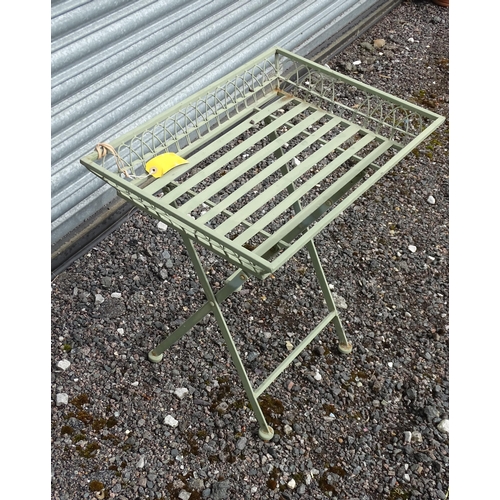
{"x": 117, "y": 64}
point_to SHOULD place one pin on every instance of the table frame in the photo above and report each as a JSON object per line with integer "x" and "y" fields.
{"x": 245, "y": 195}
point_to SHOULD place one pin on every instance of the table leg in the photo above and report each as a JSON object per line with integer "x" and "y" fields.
{"x": 345, "y": 346}
{"x": 233, "y": 284}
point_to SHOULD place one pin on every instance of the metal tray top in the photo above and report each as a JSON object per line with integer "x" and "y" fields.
{"x": 277, "y": 149}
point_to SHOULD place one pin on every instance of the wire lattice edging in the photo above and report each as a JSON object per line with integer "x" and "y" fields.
{"x": 356, "y": 103}
{"x": 198, "y": 118}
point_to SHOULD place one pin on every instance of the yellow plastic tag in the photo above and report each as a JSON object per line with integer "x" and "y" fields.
{"x": 161, "y": 164}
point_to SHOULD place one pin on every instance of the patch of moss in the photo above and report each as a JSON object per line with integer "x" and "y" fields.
{"x": 202, "y": 434}
{"x": 84, "y": 417}
{"x": 113, "y": 438}
{"x": 272, "y": 482}
{"x": 299, "y": 477}
{"x": 96, "y": 486}
{"x": 67, "y": 430}
{"x": 80, "y": 400}
{"x": 100, "y": 423}
{"x": 79, "y": 437}
{"x": 336, "y": 469}
{"x": 398, "y": 493}
{"x": 272, "y": 408}
{"x": 427, "y": 100}
{"x": 358, "y": 374}
{"x": 329, "y": 408}
{"x": 89, "y": 451}
{"x": 193, "y": 444}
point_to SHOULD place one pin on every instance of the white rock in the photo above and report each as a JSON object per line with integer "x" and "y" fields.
{"x": 416, "y": 437}
{"x": 406, "y": 477}
{"x": 116, "y": 295}
{"x": 296, "y": 162}
{"x": 141, "y": 462}
{"x": 407, "y": 435}
{"x": 169, "y": 420}
{"x": 64, "y": 364}
{"x": 99, "y": 299}
{"x": 431, "y": 200}
{"x": 411, "y": 39}
{"x": 289, "y": 345}
{"x": 412, "y": 248}
{"x": 291, "y": 484}
{"x": 356, "y": 63}
{"x": 287, "y": 429}
{"x": 317, "y": 376}
{"x": 339, "y": 301}
{"x": 390, "y": 364}
{"x": 120, "y": 331}
{"x": 162, "y": 226}
{"x": 61, "y": 399}
{"x": 184, "y": 495}
{"x": 135, "y": 384}
{"x": 181, "y": 392}
{"x": 444, "y": 426}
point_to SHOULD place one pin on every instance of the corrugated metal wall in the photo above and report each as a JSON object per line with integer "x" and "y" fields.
{"x": 117, "y": 63}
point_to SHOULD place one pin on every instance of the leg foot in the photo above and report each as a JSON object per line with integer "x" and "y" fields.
{"x": 155, "y": 358}
{"x": 266, "y": 434}
{"x": 345, "y": 348}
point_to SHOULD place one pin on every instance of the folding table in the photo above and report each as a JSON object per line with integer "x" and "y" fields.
{"x": 276, "y": 150}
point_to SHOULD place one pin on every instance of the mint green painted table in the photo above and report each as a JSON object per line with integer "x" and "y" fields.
{"x": 277, "y": 150}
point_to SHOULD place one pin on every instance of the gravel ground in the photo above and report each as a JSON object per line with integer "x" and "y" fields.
{"x": 372, "y": 425}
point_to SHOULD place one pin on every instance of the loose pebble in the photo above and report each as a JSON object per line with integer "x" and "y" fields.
{"x": 444, "y": 426}
{"x": 241, "y": 443}
{"x": 64, "y": 364}
{"x": 181, "y": 392}
{"x": 171, "y": 421}
{"x": 61, "y": 399}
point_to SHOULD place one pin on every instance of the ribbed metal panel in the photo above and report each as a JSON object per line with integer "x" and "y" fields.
{"x": 116, "y": 64}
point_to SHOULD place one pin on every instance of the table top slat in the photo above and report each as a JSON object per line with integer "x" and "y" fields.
{"x": 294, "y": 175}
{"x": 234, "y": 152}
{"x": 270, "y": 169}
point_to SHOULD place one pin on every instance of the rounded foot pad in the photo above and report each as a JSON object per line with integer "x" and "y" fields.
{"x": 155, "y": 358}
{"x": 345, "y": 348}
{"x": 266, "y": 434}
